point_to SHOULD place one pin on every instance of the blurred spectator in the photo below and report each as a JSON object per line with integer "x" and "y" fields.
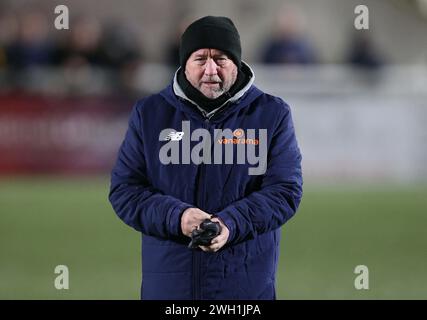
{"x": 30, "y": 45}
{"x": 172, "y": 58}
{"x": 119, "y": 46}
{"x": 82, "y": 45}
{"x": 8, "y": 34}
{"x": 288, "y": 43}
{"x": 362, "y": 52}
{"x": 121, "y": 52}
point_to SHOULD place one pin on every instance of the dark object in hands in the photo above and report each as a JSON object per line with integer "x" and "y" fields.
{"x": 204, "y": 234}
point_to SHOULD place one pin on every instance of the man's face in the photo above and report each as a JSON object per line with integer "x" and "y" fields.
{"x": 211, "y": 72}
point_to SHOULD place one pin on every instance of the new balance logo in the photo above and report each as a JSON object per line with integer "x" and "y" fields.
{"x": 174, "y": 136}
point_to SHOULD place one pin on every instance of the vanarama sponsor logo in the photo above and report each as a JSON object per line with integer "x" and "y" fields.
{"x": 238, "y": 139}
{"x": 240, "y": 146}
{"x": 238, "y": 133}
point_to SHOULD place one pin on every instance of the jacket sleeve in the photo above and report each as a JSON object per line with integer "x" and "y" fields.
{"x": 132, "y": 196}
{"x": 280, "y": 193}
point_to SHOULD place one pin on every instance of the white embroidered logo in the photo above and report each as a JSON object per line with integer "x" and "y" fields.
{"x": 174, "y": 136}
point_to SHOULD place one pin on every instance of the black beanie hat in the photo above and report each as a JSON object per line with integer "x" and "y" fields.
{"x": 211, "y": 32}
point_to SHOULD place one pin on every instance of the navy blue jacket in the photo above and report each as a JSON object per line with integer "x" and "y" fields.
{"x": 151, "y": 196}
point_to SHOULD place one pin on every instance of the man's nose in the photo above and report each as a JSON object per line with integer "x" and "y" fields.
{"x": 211, "y": 67}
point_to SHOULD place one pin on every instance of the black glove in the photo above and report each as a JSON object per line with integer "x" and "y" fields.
{"x": 204, "y": 234}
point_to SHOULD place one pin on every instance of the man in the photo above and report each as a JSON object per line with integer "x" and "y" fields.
{"x": 209, "y": 146}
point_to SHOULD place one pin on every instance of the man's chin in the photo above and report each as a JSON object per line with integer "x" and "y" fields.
{"x": 211, "y": 94}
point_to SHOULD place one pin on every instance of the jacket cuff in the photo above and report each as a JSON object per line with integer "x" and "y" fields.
{"x": 227, "y": 218}
{"x": 174, "y": 221}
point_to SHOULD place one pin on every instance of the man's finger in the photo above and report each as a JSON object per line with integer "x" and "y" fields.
{"x": 216, "y": 246}
{"x": 212, "y": 248}
{"x": 218, "y": 238}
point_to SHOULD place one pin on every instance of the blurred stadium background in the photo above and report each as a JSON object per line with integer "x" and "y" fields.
{"x": 360, "y": 111}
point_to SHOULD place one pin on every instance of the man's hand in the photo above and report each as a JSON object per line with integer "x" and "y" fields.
{"x": 191, "y": 219}
{"x": 219, "y": 241}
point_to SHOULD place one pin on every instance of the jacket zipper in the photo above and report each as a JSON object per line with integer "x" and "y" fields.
{"x": 197, "y": 253}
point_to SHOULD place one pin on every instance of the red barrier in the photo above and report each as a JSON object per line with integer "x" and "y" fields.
{"x": 60, "y": 135}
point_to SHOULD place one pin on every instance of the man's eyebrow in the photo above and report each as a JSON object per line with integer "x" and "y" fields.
{"x": 218, "y": 55}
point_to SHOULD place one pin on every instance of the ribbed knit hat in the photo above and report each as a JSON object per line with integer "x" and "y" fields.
{"x": 213, "y": 33}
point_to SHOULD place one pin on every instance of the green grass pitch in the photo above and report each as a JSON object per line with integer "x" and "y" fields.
{"x": 45, "y": 222}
